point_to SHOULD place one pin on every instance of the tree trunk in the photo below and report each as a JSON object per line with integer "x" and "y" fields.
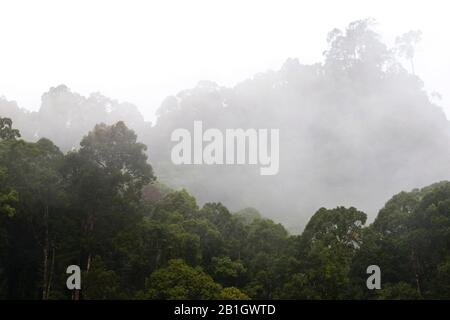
{"x": 90, "y": 229}
{"x": 76, "y": 294}
{"x": 52, "y": 270}
{"x": 416, "y": 273}
{"x": 45, "y": 254}
{"x": 412, "y": 67}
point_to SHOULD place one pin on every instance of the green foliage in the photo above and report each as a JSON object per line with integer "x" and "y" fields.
{"x": 358, "y": 125}
{"x": 179, "y": 281}
{"x": 232, "y": 293}
{"x": 398, "y": 291}
{"x": 324, "y": 255}
{"x": 87, "y": 208}
{"x": 226, "y": 271}
{"x": 7, "y": 196}
{"x": 99, "y": 205}
{"x": 247, "y": 215}
{"x": 100, "y": 283}
{"x": 6, "y": 130}
{"x": 337, "y": 227}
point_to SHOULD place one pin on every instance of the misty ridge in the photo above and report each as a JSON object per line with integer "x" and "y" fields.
{"x": 354, "y": 129}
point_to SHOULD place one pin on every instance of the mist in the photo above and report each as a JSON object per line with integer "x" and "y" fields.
{"x": 355, "y": 127}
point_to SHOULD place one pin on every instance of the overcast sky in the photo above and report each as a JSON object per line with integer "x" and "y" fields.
{"x": 142, "y": 51}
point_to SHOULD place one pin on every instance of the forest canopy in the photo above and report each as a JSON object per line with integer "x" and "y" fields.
{"x": 87, "y": 181}
{"x": 358, "y": 118}
{"x": 99, "y": 207}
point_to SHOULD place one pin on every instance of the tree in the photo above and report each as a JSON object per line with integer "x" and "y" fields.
{"x": 406, "y": 46}
{"x": 179, "y": 281}
{"x": 8, "y": 200}
{"x": 398, "y": 291}
{"x": 409, "y": 241}
{"x": 232, "y": 293}
{"x": 248, "y": 215}
{"x": 8, "y": 197}
{"x": 34, "y": 174}
{"x": 100, "y": 283}
{"x": 356, "y": 51}
{"x": 105, "y": 178}
{"x": 326, "y": 248}
{"x": 336, "y": 227}
{"x": 225, "y": 271}
{"x": 6, "y": 130}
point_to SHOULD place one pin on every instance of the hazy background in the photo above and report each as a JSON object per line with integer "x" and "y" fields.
{"x": 357, "y": 125}
{"x": 143, "y": 51}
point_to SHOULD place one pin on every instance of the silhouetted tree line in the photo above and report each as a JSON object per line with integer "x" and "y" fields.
{"x": 100, "y": 207}
{"x": 354, "y": 129}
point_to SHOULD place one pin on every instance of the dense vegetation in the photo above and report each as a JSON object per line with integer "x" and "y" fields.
{"x": 355, "y": 128}
{"x": 100, "y": 207}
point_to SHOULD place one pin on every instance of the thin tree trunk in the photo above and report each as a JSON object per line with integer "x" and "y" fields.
{"x": 52, "y": 270}
{"x": 90, "y": 229}
{"x": 88, "y": 264}
{"x": 158, "y": 254}
{"x": 44, "y": 281}
{"x": 45, "y": 254}
{"x": 76, "y": 294}
{"x": 416, "y": 273}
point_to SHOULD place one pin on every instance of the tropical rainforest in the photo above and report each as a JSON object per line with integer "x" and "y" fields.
{"x": 364, "y": 164}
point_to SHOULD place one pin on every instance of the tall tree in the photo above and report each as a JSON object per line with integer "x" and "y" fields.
{"x": 406, "y": 45}
{"x": 106, "y": 176}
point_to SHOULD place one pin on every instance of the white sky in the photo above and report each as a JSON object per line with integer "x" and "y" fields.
{"x": 142, "y": 51}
